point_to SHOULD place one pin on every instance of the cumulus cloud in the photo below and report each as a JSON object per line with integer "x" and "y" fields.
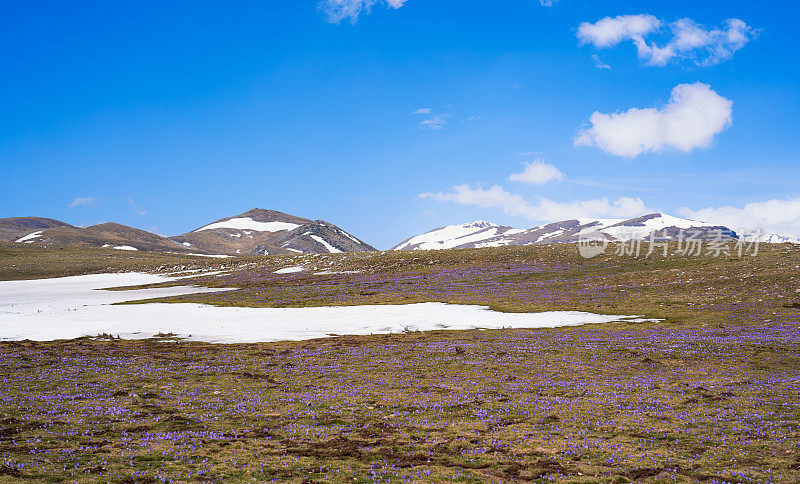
{"x": 423, "y": 111}
{"x": 609, "y": 31}
{"x": 338, "y": 10}
{"x": 537, "y": 172}
{"x": 543, "y": 209}
{"x": 89, "y": 201}
{"x": 690, "y": 120}
{"x": 685, "y": 38}
{"x": 771, "y": 216}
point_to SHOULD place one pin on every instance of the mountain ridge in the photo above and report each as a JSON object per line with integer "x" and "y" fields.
{"x": 255, "y": 232}
{"x": 269, "y": 232}
{"x": 477, "y": 234}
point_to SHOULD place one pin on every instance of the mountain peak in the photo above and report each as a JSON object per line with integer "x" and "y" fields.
{"x": 264, "y": 215}
{"x": 261, "y": 231}
{"x": 480, "y": 224}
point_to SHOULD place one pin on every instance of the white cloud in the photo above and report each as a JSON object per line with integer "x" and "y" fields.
{"x": 435, "y": 122}
{"x": 609, "y": 31}
{"x": 547, "y": 3}
{"x": 90, "y": 201}
{"x": 543, "y": 209}
{"x": 771, "y": 216}
{"x": 135, "y": 208}
{"x": 686, "y": 38}
{"x": 338, "y": 10}
{"x": 598, "y": 63}
{"x": 691, "y": 119}
{"x": 537, "y": 172}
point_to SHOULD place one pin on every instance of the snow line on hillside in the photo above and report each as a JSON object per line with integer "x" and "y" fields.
{"x": 70, "y": 307}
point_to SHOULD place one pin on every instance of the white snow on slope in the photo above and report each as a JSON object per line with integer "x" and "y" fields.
{"x": 290, "y": 270}
{"x": 125, "y": 247}
{"x": 247, "y": 223}
{"x": 325, "y": 243}
{"x": 71, "y": 307}
{"x": 494, "y": 243}
{"x": 652, "y": 225}
{"x": 486, "y": 234}
{"x": 771, "y": 238}
{"x": 554, "y": 233}
{"x": 29, "y": 238}
{"x": 350, "y": 237}
{"x": 455, "y": 235}
{"x": 598, "y": 223}
{"x": 216, "y": 256}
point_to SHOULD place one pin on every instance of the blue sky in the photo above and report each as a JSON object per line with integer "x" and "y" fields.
{"x": 166, "y": 116}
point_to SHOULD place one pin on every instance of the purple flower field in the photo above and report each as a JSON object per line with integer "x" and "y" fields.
{"x": 711, "y": 394}
{"x": 715, "y": 405}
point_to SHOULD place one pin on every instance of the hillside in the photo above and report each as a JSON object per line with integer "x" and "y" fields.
{"x": 659, "y": 227}
{"x": 268, "y": 232}
{"x": 105, "y": 235}
{"x": 15, "y": 228}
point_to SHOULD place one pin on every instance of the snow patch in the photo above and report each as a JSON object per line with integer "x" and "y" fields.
{"x": 771, "y": 239}
{"x": 554, "y": 233}
{"x": 71, "y": 307}
{"x": 633, "y": 232}
{"x": 290, "y": 270}
{"x": 350, "y": 237}
{"x": 325, "y": 243}
{"x": 452, "y": 236}
{"x": 29, "y": 238}
{"x": 247, "y": 223}
{"x": 216, "y": 256}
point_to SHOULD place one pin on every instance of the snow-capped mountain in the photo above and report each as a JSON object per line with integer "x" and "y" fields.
{"x": 773, "y": 239}
{"x": 659, "y": 226}
{"x": 454, "y": 236}
{"x": 263, "y": 232}
{"x": 256, "y": 232}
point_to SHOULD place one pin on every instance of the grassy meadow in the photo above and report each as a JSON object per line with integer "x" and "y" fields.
{"x": 711, "y": 393}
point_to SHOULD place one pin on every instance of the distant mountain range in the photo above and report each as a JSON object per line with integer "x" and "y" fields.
{"x": 659, "y": 226}
{"x": 256, "y": 232}
{"x": 30, "y": 230}
{"x": 267, "y": 232}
